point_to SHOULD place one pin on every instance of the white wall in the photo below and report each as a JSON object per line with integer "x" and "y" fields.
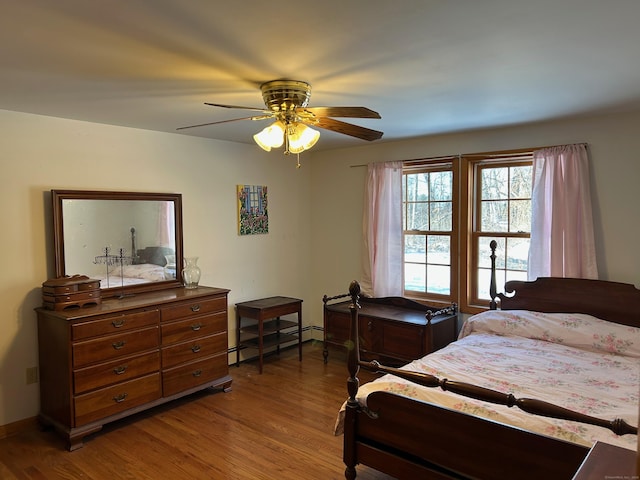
{"x": 40, "y": 153}
{"x": 338, "y": 189}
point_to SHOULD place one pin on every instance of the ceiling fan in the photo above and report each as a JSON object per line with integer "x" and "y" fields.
{"x": 286, "y": 101}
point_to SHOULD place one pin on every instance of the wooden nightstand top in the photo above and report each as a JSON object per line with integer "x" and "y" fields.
{"x": 606, "y": 461}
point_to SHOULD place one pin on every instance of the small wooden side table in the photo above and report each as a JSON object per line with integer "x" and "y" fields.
{"x": 267, "y": 331}
{"x": 606, "y": 461}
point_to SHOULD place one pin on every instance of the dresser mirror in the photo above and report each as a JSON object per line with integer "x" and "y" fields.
{"x": 130, "y": 241}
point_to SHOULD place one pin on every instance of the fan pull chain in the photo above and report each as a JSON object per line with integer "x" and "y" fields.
{"x": 298, "y": 160}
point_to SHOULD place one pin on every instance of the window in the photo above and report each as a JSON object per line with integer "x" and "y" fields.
{"x": 502, "y": 213}
{"x": 429, "y": 234}
{"x": 452, "y": 209}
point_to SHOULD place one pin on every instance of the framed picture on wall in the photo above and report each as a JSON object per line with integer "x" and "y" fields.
{"x": 253, "y": 214}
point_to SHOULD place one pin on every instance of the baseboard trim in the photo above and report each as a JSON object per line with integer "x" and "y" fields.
{"x": 17, "y": 427}
{"x": 306, "y": 328}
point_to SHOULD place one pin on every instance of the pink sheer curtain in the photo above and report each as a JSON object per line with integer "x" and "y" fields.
{"x": 562, "y": 238}
{"x": 382, "y": 230}
{"x": 166, "y": 224}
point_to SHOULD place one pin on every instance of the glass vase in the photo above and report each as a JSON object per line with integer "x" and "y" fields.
{"x": 191, "y": 272}
{"x": 170, "y": 267}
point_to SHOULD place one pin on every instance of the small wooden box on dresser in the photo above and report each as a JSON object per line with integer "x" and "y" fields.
{"x": 103, "y": 363}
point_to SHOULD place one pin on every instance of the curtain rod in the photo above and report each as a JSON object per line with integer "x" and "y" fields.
{"x": 444, "y": 157}
{"x": 495, "y": 154}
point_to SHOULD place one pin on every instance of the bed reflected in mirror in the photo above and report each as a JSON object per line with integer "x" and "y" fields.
{"x": 129, "y": 241}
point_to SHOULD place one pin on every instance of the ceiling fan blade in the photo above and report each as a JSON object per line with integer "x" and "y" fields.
{"x": 237, "y": 106}
{"x": 259, "y": 117}
{"x": 346, "y": 128}
{"x": 351, "y": 112}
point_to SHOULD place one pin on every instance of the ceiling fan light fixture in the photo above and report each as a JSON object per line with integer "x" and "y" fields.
{"x": 287, "y": 102}
{"x": 282, "y": 95}
{"x": 301, "y": 137}
{"x": 271, "y": 136}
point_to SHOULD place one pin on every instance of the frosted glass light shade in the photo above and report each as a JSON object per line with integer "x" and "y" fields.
{"x": 301, "y": 137}
{"x": 271, "y": 137}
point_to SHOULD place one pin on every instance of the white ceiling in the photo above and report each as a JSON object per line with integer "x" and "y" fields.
{"x": 427, "y": 66}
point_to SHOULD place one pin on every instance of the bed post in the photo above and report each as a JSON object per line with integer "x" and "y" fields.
{"x": 353, "y": 365}
{"x": 493, "y": 291}
{"x": 134, "y": 251}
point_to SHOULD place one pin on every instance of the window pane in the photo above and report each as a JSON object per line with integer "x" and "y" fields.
{"x": 520, "y": 216}
{"x": 415, "y": 277}
{"x": 415, "y": 248}
{"x": 439, "y": 250}
{"x": 511, "y": 262}
{"x": 484, "y": 282}
{"x": 511, "y": 275}
{"x": 440, "y": 185}
{"x": 521, "y": 182}
{"x": 517, "y": 253}
{"x": 484, "y": 252}
{"x": 441, "y": 216}
{"x": 438, "y": 279}
{"x": 418, "y": 216}
{"x": 494, "y": 216}
{"x": 417, "y": 187}
{"x": 494, "y": 182}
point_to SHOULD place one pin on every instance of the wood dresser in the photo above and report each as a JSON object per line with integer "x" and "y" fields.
{"x": 103, "y": 363}
{"x": 393, "y": 330}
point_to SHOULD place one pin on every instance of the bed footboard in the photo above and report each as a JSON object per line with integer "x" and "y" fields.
{"x": 410, "y": 438}
{"x": 447, "y": 444}
{"x": 529, "y": 405}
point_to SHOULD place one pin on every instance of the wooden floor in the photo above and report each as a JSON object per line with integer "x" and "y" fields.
{"x": 274, "y": 426}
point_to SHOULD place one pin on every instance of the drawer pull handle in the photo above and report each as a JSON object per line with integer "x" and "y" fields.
{"x": 195, "y": 308}
{"x": 195, "y": 348}
{"x": 118, "y": 345}
{"x": 120, "y": 398}
{"x": 120, "y": 370}
{"x": 118, "y": 323}
{"x": 195, "y": 327}
{"x": 370, "y": 326}
{"x": 197, "y": 373}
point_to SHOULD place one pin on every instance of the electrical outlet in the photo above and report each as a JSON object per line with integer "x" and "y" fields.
{"x": 32, "y": 375}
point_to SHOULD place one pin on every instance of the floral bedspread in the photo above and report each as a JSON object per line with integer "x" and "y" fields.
{"x": 131, "y": 275}
{"x": 572, "y": 360}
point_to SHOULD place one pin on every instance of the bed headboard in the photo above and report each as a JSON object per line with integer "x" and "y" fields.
{"x": 154, "y": 255}
{"x": 613, "y": 301}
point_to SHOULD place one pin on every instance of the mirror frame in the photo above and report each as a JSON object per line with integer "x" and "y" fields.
{"x": 58, "y": 196}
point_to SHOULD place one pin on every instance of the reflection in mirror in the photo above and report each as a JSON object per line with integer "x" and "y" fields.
{"x": 129, "y": 241}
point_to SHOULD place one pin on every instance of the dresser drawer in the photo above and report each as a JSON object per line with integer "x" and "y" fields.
{"x": 194, "y": 327}
{"x": 175, "y": 380}
{"x": 194, "y": 349}
{"x": 196, "y": 307}
{"x": 123, "y": 369}
{"x": 117, "y": 398}
{"x": 111, "y": 347}
{"x": 114, "y": 324}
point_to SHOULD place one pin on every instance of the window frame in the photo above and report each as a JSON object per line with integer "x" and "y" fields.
{"x": 476, "y": 232}
{"x": 465, "y": 224}
{"x": 435, "y": 165}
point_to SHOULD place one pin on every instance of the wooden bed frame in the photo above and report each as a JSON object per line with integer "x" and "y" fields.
{"x": 447, "y": 444}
